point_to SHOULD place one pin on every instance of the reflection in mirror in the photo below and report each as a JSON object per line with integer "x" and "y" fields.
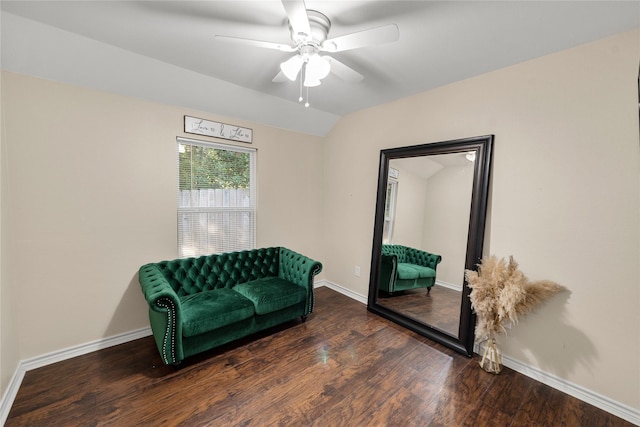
{"x": 429, "y": 228}
{"x": 427, "y": 208}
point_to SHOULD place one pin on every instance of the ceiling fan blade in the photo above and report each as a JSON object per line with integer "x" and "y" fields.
{"x": 257, "y": 43}
{"x": 379, "y": 35}
{"x": 297, "y": 14}
{"x": 343, "y": 71}
{"x": 280, "y": 78}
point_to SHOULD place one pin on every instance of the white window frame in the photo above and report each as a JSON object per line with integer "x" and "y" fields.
{"x": 185, "y": 251}
{"x": 390, "y": 210}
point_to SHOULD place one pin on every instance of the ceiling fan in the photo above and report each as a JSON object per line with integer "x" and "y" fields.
{"x": 309, "y": 37}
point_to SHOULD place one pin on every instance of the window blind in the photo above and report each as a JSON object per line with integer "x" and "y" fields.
{"x": 216, "y": 198}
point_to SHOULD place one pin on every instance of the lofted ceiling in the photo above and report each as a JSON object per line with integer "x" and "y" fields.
{"x": 440, "y": 42}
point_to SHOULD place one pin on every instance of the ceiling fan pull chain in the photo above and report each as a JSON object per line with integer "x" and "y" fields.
{"x": 300, "y": 98}
{"x": 303, "y": 72}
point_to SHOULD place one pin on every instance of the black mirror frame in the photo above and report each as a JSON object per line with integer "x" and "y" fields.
{"x": 483, "y": 146}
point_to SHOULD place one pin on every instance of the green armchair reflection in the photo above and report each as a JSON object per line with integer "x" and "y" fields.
{"x": 404, "y": 268}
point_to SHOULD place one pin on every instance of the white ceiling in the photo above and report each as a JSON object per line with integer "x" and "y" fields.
{"x": 440, "y": 42}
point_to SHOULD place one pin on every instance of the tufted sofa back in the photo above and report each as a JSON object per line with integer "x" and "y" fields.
{"x": 416, "y": 256}
{"x": 410, "y": 255}
{"x": 192, "y": 275}
{"x": 397, "y": 250}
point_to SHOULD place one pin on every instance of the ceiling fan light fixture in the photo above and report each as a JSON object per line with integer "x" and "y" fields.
{"x": 309, "y": 81}
{"x": 291, "y": 67}
{"x": 317, "y": 67}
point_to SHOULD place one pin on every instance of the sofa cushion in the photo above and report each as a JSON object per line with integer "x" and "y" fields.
{"x": 407, "y": 271}
{"x": 425, "y": 271}
{"x": 271, "y": 294}
{"x": 208, "y": 310}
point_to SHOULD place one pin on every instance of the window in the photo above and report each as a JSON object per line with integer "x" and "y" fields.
{"x": 389, "y": 210}
{"x": 216, "y": 198}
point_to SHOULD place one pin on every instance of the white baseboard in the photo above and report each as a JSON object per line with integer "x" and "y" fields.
{"x": 599, "y": 401}
{"x": 57, "y": 356}
{"x": 449, "y": 285}
{"x": 10, "y": 394}
{"x": 611, "y": 406}
{"x": 591, "y": 397}
{"x": 79, "y": 350}
{"x": 344, "y": 291}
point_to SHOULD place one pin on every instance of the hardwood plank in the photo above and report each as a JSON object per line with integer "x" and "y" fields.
{"x": 486, "y": 415}
{"x": 507, "y": 391}
{"x": 577, "y": 413}
{"x": 459, "y": 395}
{"x": 440, "y": 308}
{"x": 343, "y": 367}
{"x": 404, "y": 409}
{"x": 533, "y": 406}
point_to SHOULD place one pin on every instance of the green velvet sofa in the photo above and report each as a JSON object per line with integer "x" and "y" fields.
{"x": 196, "y": 304}
{"x": 403, "y": 268}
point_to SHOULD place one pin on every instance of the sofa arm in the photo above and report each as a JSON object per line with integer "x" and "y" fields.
{"x": 164, "y": 313}
{"x": 388, "y": 269}
{"x": 299, "y": 269}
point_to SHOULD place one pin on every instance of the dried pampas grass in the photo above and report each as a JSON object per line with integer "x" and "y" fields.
{"x": 501, "y": 293}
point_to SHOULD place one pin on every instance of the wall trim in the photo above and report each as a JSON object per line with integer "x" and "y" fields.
{"x": 10, "y": 394}
{"x": 58, "y": 356}
{"x": 449, "y": 285}
{"x": 611, "y": 406}
{"x": 79, "y": 350}
{"x": 588, "y": 396}
{"x": 344, "y": 291}
{"x": 607, "y": 404}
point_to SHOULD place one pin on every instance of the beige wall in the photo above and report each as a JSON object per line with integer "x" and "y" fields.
{"x": 9, "y": 357}
{"x": 409, "y": 210}
{"x": 565, "y": 198}
{"x": 565, "y": 202}
{"x": 432, "y": 214}
{"x": 446, "y": 230}
{"x": 92, "y": 182}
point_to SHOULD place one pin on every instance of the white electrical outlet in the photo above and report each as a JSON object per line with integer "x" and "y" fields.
{"x": 357, "y": 272}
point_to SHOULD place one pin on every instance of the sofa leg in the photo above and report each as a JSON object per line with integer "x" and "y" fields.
{"x": 428, "y": 291}
{"x": 303, "y": 318}
{"x": 176, "y": 365}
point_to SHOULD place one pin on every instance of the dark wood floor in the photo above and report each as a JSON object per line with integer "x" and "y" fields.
{"x": 439, "y": 308}
{"x": 343, "y": 367}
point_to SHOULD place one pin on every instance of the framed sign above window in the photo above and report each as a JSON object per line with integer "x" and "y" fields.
{"x": 217, "y": 130}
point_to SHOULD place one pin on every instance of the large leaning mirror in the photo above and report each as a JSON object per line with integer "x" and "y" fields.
{"x": 429, "y": 227}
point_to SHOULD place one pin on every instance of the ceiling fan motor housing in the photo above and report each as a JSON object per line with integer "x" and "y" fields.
{"x": 319, "y": 25}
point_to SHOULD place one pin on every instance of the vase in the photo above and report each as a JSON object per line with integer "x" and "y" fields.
{"x": 491, "y": 361}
